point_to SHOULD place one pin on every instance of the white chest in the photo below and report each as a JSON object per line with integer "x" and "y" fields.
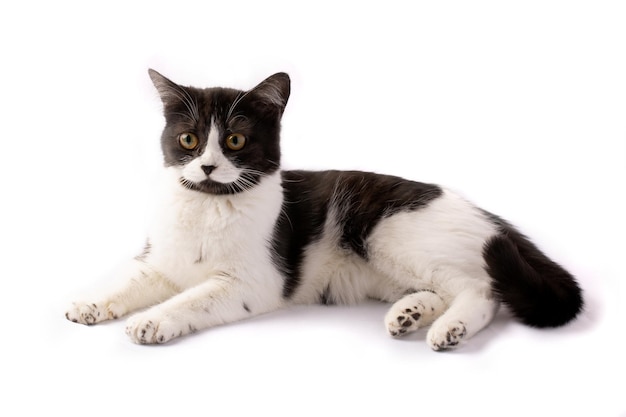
{"x": 196, "y": 236}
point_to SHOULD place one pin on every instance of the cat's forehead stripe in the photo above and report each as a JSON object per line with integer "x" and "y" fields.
{"x": 212, "y": 148}
{"x": 213, "y": 134}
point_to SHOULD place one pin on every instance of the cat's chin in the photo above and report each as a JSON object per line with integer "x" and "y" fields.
{"x": 212, "y": 187}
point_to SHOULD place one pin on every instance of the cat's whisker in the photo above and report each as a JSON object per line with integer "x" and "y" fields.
{"x": 245, "y": 183}
{"x": 249, "y": 171}
{"x": 190, "y": 103}
{"x": 186, "y": 115}
{"x": 239, "y": 97}
{"x": 285, "y": 213}
{"x": 276, "y": 164}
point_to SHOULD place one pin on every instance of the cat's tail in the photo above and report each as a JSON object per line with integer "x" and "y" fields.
{"x": 538, "y": 291}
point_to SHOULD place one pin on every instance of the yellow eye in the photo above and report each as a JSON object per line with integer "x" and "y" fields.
{"x": 236, "y": 141}
{"x": 188, "y": 141}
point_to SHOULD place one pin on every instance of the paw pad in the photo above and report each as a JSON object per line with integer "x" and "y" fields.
{"x": 407, "y": 319}
{"x": 449, "y": 338}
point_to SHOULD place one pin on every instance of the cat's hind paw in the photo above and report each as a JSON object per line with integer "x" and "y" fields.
{"x": 403, "y": 321}
{"x": 413, "y": 311}
{"x": 90, "y": 313}
{"x": 443, "y": 337}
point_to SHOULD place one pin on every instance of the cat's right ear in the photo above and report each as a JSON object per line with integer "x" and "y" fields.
{"x": 168, "y": 90}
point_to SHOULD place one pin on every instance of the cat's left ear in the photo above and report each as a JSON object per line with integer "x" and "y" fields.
{"x": 168, "y": 90}
{"x": 274, "y": 90}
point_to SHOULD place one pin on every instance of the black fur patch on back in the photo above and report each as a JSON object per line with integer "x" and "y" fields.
{"x": 300, "y": 223}
{"x": 359, "y": 200}
{"x": 362, "y": 199}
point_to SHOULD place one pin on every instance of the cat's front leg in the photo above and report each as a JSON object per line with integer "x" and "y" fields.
{"x": 139, "y": 286}
{"x": 217, "y": 301}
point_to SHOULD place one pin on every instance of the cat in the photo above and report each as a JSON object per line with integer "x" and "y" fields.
{"x": 237, "y": 236}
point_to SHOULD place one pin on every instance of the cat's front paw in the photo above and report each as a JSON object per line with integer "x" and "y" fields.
{"x": 446, "y": 336}
{"x": 91, "y": 313}
{"x": 147, "y": 328}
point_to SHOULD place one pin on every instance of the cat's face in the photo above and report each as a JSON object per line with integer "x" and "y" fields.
{"x": 222, "y": 141}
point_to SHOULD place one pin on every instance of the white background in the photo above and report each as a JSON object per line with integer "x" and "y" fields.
{"x": 518, "y": 105}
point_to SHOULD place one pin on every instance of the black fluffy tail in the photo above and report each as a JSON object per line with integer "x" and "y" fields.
{"x": 539, "y": 292}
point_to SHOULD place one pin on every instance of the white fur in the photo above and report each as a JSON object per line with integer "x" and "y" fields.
{"x": 209, "y": 256}
{"x": 439, "y": 242}
{"x": 210, "y": 263}
{"x": 440, "y": 247}
{"x": 437, "y": 247}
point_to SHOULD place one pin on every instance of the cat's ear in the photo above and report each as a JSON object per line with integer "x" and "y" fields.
{"x": 274, "y": 90}
{"x": 168, "y": 90}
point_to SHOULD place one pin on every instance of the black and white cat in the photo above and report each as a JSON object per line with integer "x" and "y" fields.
{"x": 237, "y": 237}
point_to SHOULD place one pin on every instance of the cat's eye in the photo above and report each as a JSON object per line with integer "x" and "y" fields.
{"x": 188, "y": 141}
{"x": 235, "y": 141}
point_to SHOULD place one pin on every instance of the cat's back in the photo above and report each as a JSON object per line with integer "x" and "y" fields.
{"x": 377, "y": 191}
{"x": 353, "y": 201}
{"x": 354, "y": 193}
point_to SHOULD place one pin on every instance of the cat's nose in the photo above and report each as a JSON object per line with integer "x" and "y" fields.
{"x": 208, "y": 169}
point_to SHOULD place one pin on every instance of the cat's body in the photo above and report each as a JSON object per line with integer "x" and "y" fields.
{"x": 238, "y": 237}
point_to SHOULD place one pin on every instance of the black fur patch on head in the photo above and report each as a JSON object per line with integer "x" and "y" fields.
{"x": 357, "y": 201}
{"x": 255, "y": 114}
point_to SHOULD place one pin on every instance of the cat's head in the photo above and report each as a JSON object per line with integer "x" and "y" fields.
{"x": 221, "y": 140}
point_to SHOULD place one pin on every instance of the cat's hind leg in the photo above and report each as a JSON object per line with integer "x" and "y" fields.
{"x": 414, "y": 310}
{"x": 469, "y": 312}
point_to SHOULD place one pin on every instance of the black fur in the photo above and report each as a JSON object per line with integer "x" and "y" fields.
{"x": 358, "y": 199}
{"x": 539, "y": 292}
{"x": 300, "y": 223}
